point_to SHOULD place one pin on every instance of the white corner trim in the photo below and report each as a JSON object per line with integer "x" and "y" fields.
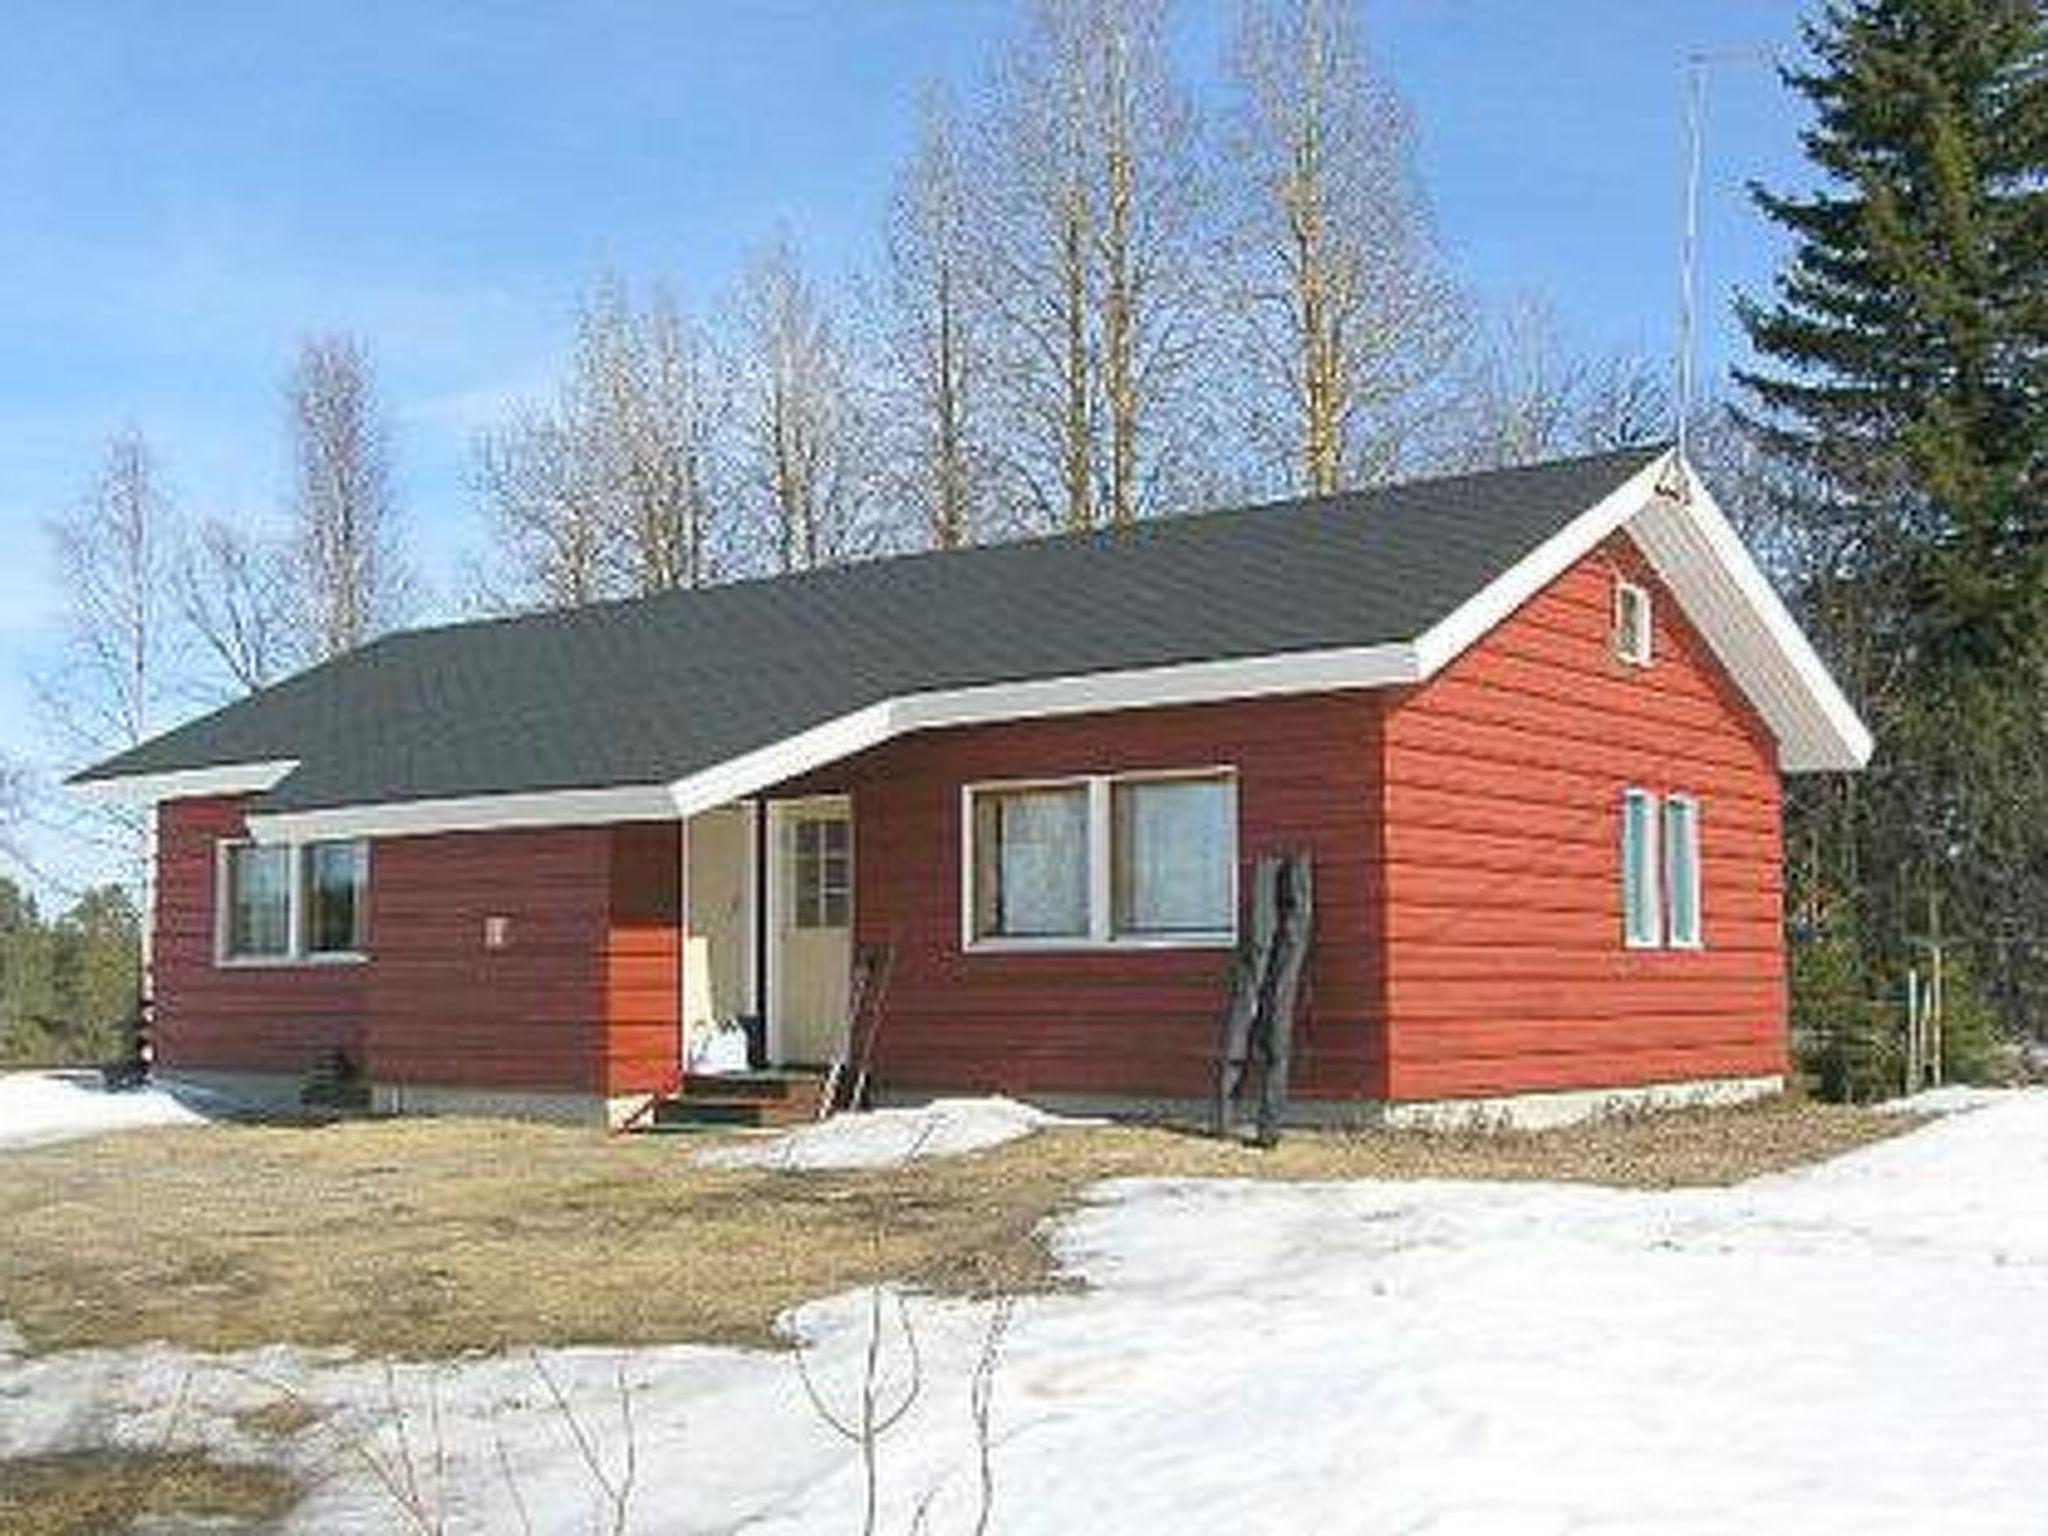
{"x": 144, "y": 789}
{"x": 476, "y": 813}
{"x": 1480, "y": 614}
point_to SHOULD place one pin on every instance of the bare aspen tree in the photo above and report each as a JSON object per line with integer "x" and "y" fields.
{"x": 546, "y": 513}
{"x": 1342, "y": 300}
{"x": 611, "y": 488}
{"x": 233, "y": 591}
{"x": 644, "y": 413}
{"x": 348, "y": 573}
{"x": 802, "y": 427}
{"x": 1091, "y": 215}
{"x": 1527, "y": 394}
{"x": 933, "y": 381}
{"x": 13, "y": 807}
{"x": 114, "y": 552}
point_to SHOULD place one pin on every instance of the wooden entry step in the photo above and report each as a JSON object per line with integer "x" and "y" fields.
{"x": 730, "y": 1099}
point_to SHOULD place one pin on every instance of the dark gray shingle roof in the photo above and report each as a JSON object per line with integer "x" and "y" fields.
{"x": 650, "y": 690}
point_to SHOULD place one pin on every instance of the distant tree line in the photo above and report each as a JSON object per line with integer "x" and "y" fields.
{"x": 68, "y": 984}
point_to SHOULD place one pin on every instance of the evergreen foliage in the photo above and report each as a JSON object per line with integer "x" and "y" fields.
{"x": 68, "y": 986}
{"x": 1902, "y": 404}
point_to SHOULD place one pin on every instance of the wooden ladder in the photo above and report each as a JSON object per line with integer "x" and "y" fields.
{"x": 872, "y": 964}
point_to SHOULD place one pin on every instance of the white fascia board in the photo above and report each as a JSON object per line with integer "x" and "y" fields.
{"x": 1451, "y": 636}
{"x": 1198, "y": 682}
{"x": 145, "y": 789}
{"x": 740, "y": 776}
{"x": 474, "y": 813}
{"x": 1830, "y": 735}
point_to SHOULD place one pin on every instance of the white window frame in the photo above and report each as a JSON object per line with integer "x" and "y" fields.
{"x": 1652, "y": 883}
{"x": 1101, "y": 834}
{"x": 1644, "y": 652}
{"x": 296, "y": 953}
{"x": 1697, "y": 939}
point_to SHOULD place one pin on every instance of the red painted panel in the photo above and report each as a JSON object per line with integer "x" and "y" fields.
{"x": 581, "y": 999}
{"x": 1506, "y": 970}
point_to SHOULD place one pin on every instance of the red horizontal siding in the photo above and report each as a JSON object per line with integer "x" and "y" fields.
{"x": 1506, "y": 970}
{"x": 274, "y": 1019}
{"x": 1129, "y": 1022}
{"x": 581, "y": 999}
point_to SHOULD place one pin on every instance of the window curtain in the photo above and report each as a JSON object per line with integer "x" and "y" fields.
{"x": 1034, "y": 844}
{"x": 1174, "y": 850}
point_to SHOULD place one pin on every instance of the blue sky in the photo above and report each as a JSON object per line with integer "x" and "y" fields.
{"x": 184, "y": 190}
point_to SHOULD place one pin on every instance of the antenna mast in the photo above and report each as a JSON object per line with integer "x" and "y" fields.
{"x": 1689, "y": 240}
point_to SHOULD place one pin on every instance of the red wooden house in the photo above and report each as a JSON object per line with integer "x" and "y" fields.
{"x": 1531, "y": 727}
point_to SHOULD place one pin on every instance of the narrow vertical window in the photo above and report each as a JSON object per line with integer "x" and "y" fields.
{"x": 1633, "y": 624}
{"x": 1642, "y": 926}
{"x": 1682, "y": 871}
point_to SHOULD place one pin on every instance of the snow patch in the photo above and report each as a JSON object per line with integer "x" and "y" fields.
{"x": 1838, "y": 1351}
{"x": 1954, "y": 1099}
{"x": 40, "y": 1107}
{"x": 876, "y": 1138}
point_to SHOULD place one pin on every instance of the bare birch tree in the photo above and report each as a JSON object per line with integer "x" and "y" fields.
{"x": 349, "y": 577}
{"x": 1346, "y": 312}
{"x": 803, "y": 451}
{"x": 233, "y": 592}
{"x": 114, "y": 552}
{"x": 934, "y": 384}
{"x": 612, "y": 487}
{"x": 1092, "y": 209}
{"x": 1527, "y": 394}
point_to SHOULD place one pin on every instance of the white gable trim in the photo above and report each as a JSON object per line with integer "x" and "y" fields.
{"x": 1697, "y": 553}
{"x": 1482, "y": 613}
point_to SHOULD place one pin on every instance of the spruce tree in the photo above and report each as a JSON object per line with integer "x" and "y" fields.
{"x": 1905, "y": 353}
{"x": 1901, "y": 393}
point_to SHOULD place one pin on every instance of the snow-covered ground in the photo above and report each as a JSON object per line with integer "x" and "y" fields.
{"x": 38, "y": 1107}
{"x": 1856, "y": 1348}
{"x": 877, "y": 1137}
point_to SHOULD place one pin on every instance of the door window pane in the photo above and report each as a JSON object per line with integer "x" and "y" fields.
{"x": 1175, "y": 852}
{"x": 258, "y": 902}
{"x": 822, "y": 872}
{"x": 336, "y": 896}
{"x": 1031, "y": 863}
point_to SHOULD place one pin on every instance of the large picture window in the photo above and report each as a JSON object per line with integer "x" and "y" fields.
{"x": 280, "y": 903}
{"x": 1131, "y": 858}
{"x": 1031, "y": 863}
{"x": 1175, "y": 856}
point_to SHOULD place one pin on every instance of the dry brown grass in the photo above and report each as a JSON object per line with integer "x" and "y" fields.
{"x": 94, "y": 1493}
{"x": 431, "y": 1237}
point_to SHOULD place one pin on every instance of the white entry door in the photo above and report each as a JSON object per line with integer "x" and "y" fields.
{"x": 810, "y": 928}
